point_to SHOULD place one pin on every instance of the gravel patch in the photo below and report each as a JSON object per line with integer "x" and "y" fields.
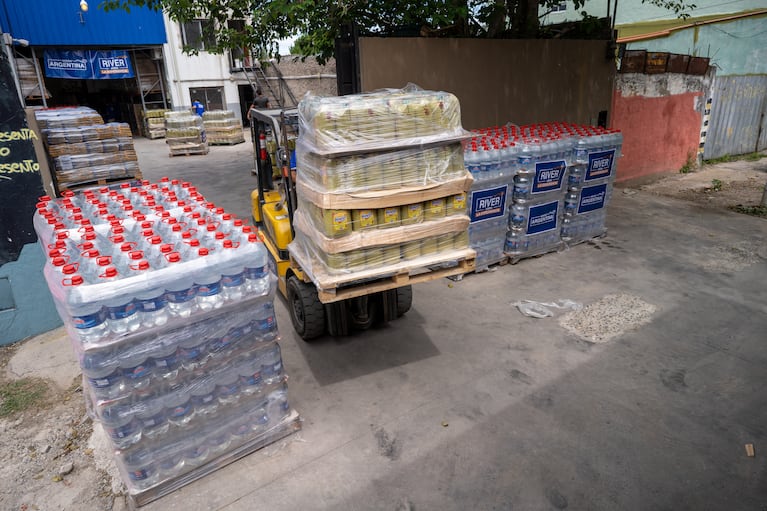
{"x": 608, "y": 318}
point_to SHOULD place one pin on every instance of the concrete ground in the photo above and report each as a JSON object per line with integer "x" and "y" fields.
{"x": 467, "y": 404}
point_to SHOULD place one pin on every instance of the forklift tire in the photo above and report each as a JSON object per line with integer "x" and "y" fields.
{"x": 337, "y": 315}
{"x": 404, "y": 300}
{"x": 362, "y": 312}
{"x": 386, "y": 306}
{"x": 306, "y": 311}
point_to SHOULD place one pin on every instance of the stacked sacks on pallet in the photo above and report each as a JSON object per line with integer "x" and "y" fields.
{"x": 154, "y": 123}
{"x": 84, "y": 150}
{"x": 185, "y": 134}
{"x": 222, "y": 127}
{"x": 381, "y": 185}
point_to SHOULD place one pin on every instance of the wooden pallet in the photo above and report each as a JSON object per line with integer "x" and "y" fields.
{"x": 226, "y": 142}
{"x": 515, "y": 258}
{"x": 503, "y": 261}
{"x": 286, "y": 427}
{"x": 341, "y": 287}
{"x": 63, "y": 187}
{"x": 183, "y": 151}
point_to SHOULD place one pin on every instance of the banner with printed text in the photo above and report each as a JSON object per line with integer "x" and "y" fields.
{"x": 88, "y": 64}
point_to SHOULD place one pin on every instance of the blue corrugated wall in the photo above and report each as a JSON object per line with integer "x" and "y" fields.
{"x": 58, "y": 23}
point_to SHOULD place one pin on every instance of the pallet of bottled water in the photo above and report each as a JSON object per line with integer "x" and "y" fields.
{"x": 590, "y": 185}
{"x": 558, "y": 178}
{"x": 168, "y": 303}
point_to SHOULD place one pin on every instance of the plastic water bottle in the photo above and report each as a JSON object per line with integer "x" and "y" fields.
{"x": 166, "y": 358}
{"x": 228, "y": 387}
{"x": 271, "y": 365}
{"x": 217, "y": 437}
{"x": 88, "y": 318}
{"x": 571, "y": 203}
{"x": 222, "y": 338}
{"x": 209, "y": 295}
{"x": 516, "y": 242}
{"x": 180, "y": 295}
{"x": 256, "y": 267}
{"x": 203, "y": 392}
{"x": 142, "y": 469}
{"x": 518, "y": 217}
{"x": 136, "y": 367}
{"x": 233, "y": 286}
{"x": 265, "y": 325}
{"x": 522, "y": 185}
{"x": 575, "y": 176}
{"x": 178, "y": 405}
{"x": 102, "y": 372}
{"x": 193, "y": 351}
{"x": 581, "y": 151}
{"x": 250, "y": 375}
{"x": 152, "y": 416}
{"x": 196, "y": 452}
{"x": 120, "y": 424}
{"x": 485, "y": 163}
{"x": 567, "y": 230}
{"x": 471, "y": 160}
{"x": 152, "y": 306}
{"x": 278, "y": 406}
{"x": 122, "y": 314}
{"x": 259, "y": 417}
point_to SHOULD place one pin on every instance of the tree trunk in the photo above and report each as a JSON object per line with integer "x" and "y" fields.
{"x": 764, "y": 196}
{"x": 524, "y": 22}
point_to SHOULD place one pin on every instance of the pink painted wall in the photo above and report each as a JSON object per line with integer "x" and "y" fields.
{"x": 658, "y": 132}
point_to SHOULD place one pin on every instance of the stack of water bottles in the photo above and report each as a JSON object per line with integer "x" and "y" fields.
{"x": 559, "y": 177}
{"x": 168, "y": 301}
{"x": 590, "y": 183}
{"x": 492, "y": 164}
{"x": 538, "y": 195}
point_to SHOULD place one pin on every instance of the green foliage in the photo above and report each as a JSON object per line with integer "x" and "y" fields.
{"x": 689, "y": 164}
{"x": 320, "y": 22}
{"x": 727, "y": 158}
{"x": 18, "y": 395}
{"x": 722, "y": 159}
{"x": 716, "y": 185}
{"x": 760, "y": 211}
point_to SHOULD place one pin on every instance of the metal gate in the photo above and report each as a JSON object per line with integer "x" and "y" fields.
{"x": 738, "y": 123}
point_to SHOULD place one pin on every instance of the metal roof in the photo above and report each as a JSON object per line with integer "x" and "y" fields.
{"x": 62, "y": 23}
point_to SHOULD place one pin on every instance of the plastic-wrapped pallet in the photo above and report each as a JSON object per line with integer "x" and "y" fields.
{"x": 488, "y": 202}
{"x": 67, "y": 117}
{"x": 185, "y": 134}
{"x": 154, "y": 123}
{"x": 537, "y": 196}
{"x": 168, "y": 303}
{"x": 379, "y": 120}
{"x": 222, "y": 127}
{"x": 590, "y": 184}
{"x": 382, "y": 185}
{"x": 87, "y": 153}
{"x": 409, "y": 167}
{"x": 544, "y": 169}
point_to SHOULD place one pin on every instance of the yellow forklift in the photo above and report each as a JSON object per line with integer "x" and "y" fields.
{"x": 274, "y": 133}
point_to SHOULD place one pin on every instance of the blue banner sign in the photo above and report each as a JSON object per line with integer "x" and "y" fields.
{"x": 543, "y": 217}
{"x": 88, "y": 64}
{"x": 600, "y": 165}
{"x": 548, "y": 176}
{"x": 592, "y": 198}
{"x": 487, "y": 204}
